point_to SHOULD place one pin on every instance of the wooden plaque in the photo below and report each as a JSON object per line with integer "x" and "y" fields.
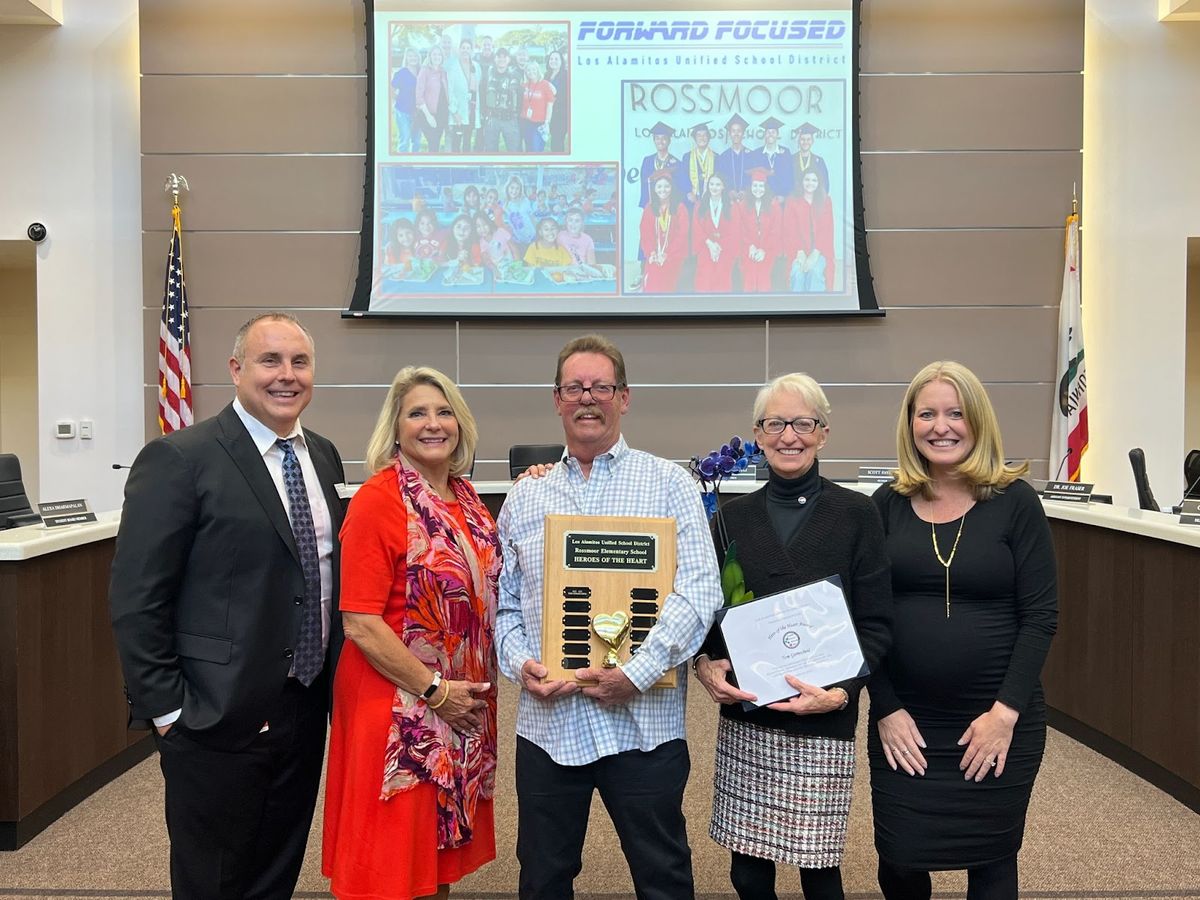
{"x": 601, "y": 565}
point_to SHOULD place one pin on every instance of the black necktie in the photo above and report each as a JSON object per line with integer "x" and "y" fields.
{"x": 309, "y": 654}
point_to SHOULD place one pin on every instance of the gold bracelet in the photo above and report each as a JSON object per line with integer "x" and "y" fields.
{"x": 846, "y": 702}
{"x": 445, "y": 697}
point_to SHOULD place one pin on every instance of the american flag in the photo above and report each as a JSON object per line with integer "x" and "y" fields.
{"x": 174, "y": 346}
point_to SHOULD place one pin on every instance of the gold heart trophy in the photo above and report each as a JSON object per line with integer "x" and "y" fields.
{"x": 612, "y": 628}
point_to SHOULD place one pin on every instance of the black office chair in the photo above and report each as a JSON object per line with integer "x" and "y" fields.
{"x": 522, "y": 456}
{"x": 15, "y": 509}
{"x": 1137, "y": 459}
{"x": 1191, "y": 475}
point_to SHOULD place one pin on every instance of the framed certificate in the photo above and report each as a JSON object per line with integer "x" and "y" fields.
{"x": 806, "y": 632}
{"x": 606, "y": 579}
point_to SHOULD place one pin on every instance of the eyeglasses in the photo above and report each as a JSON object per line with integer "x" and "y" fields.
{"x": 801, "y": 425}
{"x": 600, "y": 392}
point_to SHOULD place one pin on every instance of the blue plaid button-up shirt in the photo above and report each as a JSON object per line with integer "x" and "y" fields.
{"x": 574, "y": 729}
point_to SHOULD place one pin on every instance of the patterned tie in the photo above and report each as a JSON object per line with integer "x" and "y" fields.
{"x": 310, "y": 655}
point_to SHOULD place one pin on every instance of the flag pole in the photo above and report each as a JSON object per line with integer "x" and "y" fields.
{"x": 174, "y": 346}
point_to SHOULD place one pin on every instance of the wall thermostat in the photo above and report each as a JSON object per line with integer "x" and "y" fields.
{"x": 64, "y": 429}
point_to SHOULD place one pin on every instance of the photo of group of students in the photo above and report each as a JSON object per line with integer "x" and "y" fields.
{"x": 479, "y": 88}
{"x": 737, "y": 221}
{"x": 442, "y": 233}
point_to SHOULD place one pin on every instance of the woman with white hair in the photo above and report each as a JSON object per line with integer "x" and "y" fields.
{"x": 784, "y": 772}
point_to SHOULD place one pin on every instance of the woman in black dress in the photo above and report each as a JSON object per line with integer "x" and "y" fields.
{"x": 784, "y": 772}
{"x": 958, "y": 720}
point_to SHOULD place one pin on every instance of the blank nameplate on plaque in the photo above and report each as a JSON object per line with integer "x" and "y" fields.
{"x": 603, "y": 566}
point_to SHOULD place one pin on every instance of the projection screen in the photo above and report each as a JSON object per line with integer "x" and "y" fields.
{"x": 648, "y": 163}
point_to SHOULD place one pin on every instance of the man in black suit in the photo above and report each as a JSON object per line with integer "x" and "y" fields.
{"x": 224, "y": 607}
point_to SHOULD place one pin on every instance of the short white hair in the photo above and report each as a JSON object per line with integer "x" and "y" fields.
{"x": 799, "y": 384}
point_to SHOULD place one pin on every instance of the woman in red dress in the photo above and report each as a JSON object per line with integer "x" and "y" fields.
{"x": 808, "y": 223}
{"x": 759, "y": 220}
{"x": 715, "y": 238}
{"x": 412, "y": 754}
{"x": 664, "y": 233}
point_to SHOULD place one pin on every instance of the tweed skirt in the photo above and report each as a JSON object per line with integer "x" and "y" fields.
{"x": 780, "y": 796}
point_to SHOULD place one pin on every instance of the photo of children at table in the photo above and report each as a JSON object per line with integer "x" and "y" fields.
{"x": 518, "y": 211}
{"x": 495, "y": 243}
{"x": 429, "y": 240}
{"x": 398, "y": 254}
{"x": 475, "y": 229}
{"x": 545, "y": 251}
{"x": 461, "y": 245}
{"x": 577, "y": 242}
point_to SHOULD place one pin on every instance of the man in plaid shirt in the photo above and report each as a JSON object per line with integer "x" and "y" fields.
{"x": 619, "y": 735}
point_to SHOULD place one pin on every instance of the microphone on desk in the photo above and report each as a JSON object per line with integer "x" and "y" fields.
{"x": 1178, "y": 508}
{"x": 120, "y": 466}
{"x": 1062, "y": 463}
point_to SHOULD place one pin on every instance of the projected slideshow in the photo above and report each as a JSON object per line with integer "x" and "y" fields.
{"x": 600, "y": 163}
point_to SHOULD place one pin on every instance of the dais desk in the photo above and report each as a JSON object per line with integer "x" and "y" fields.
{"x": 63, "y": 713}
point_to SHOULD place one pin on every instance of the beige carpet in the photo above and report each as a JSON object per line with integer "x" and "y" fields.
{"x": 1094, "y": 831}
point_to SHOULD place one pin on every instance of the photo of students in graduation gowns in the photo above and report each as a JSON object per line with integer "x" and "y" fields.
{"x": 664, "y": 235}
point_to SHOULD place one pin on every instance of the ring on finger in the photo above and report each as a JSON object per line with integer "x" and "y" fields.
{"x": 905, "y": 751}
{"x": 991, "y": 762}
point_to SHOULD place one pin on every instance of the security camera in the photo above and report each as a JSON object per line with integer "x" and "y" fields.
{"x": 36, "y": 232}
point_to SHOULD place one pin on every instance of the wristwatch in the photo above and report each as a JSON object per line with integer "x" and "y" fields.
{"x": 433, "y": 686}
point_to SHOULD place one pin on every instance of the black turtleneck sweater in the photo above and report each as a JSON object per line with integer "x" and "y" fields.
{"x": 783, "y": 544}
{"x": 791, "y": 500}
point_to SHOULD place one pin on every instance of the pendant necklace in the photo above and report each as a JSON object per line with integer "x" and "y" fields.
{"x": 946, "y": 563}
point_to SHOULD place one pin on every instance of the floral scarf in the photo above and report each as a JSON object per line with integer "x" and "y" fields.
{"x": 449, "y": 624}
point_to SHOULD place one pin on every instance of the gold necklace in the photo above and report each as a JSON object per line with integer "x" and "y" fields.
{"x": 946, "y": 563}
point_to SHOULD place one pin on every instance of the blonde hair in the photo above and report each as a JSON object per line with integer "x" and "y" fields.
{"x": 801, "y": 385}
{"x": 984, "y": 468}
{"x": 381, "y": 449}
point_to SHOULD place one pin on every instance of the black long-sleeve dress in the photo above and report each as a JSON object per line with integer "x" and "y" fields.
{"x": 948, "y": 670}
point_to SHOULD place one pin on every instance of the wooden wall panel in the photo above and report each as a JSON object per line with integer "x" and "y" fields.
{"x": 969, "y": 190}
{"x": 247, "y": 270}
{"x": 258, "y": 193}
{"x": 1019, "y": 345}
{"x": 232, "y": 114}
{"x": 972, "y": 112}
{"x": 289, "y": 37}
{"x": 687, "y": 352}
{"x": 967, "y": 268}
{"x": 975, "y": 36}
{"x": 348, "y": 352}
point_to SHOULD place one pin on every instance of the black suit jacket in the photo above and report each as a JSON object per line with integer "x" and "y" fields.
{"x": 207, "y": 586}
